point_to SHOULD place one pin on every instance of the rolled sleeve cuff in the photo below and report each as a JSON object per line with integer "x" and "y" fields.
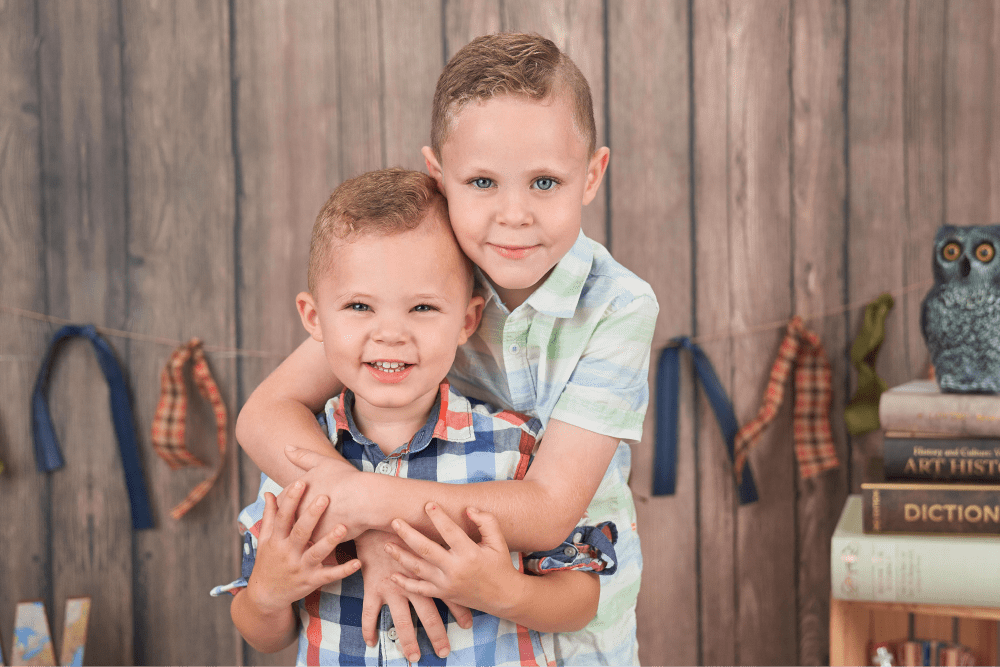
{"x": 588, "y": 549}
{"x": 246, "y": 569}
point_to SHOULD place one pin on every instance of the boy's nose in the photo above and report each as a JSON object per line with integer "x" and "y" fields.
{"x": 389, "y": 331}
{"x": 514, "y": 211}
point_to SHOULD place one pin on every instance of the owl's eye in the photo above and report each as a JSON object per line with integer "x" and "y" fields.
{"x": 952, "y": 251}
{"x": 985, "y": 252}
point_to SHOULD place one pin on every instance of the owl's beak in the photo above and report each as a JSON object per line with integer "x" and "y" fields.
{"x": 965, "y": 268}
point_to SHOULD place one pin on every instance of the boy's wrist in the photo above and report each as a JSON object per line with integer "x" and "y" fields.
{"x": 261, "y": 605}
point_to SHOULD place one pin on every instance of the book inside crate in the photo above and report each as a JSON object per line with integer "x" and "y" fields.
{"x": 914, "y": 558}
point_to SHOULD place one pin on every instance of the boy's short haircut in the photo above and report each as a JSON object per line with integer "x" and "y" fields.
{"x": 377, "y": 203}
{"x": 510, "y": 63}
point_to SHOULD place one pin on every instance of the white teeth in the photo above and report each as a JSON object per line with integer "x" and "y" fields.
{"x": 389, "y": 366}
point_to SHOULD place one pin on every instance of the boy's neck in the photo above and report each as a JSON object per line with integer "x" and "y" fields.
{"x": 391, "y": 428}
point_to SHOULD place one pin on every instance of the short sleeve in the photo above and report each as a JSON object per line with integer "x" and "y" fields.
{"x": 246, "y": 568}
{"x": 249, "y": 526}
{"x": 587, "y": 549}
{"x": 608, "y": 391}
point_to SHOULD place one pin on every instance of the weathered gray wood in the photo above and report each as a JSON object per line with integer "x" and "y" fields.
{"x": 972, "y": 139}
{"x": 716, "y": 487}
{"x": 650, "y": 234}
{"x": 360, "y": 89}
{"x": 288, "y": 141}
{"x": 181, "y": 235}
{"x": 876, "y": 219}
{"x": 760, "y": 265}
{"x": 25, "y": 567}
{"x": 819, "y": 185}
{"x": 466, "y": 20}
{"x": 82, "y": 139}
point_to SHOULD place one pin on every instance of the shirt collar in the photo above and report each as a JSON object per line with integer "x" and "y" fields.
{"x": 450, "y": 419}
{"x": 559, "y": 295}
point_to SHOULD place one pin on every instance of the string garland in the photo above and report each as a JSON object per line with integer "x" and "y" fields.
{"x": 235, "y": 351}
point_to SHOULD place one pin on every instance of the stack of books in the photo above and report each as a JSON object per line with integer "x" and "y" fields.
{"x": 929, "y": 533}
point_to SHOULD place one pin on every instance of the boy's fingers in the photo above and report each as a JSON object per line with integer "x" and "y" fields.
{"x": 489, "y": 529}
{"x": 406, "y": 634}
{"x": 416, "y": 586}
{"x": 462, "y": 614}
{"x": 453, "y": 535}
{"x": 303, "y": 528}
{"x": 318, "y": 552}
{"x": 267, "y": 523}
{"x": 333, "y": 573}
{"x": 422, "y": 546}
{"x": 303, "y": 458}
{"x": 371, "y": 609}
{"x": 286, "y": 512}
{"x": 429, "y": 616}
{"x": 416, "y": 566}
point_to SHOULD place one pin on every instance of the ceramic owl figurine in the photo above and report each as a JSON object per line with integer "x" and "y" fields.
{"x": 960, "y": 317}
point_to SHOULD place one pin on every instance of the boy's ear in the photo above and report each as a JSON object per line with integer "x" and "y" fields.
{"x": 595, "y": 173}
{"x": 433, "y": 166}
{"x": 473, "y": 314}
{"x": 309, "y": 315}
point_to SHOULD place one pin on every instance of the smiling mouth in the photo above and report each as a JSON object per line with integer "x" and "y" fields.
{"x": 389, "y": 366}
{"x": 514, "y": 251}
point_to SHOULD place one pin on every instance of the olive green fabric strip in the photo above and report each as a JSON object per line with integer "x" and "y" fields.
{"x": 861, "y": 414}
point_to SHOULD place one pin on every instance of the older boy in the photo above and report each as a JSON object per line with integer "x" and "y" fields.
{"x": 565, "y": 336}
{"x": 390, "y": 299}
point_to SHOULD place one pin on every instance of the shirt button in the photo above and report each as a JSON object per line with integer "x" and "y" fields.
{"x": 514, "y": 348}
{"x": 392, "y": 634}
{"x": 382, "y": 468}
{"x": 577, "y": 538}
{"x": 570, "y": 551}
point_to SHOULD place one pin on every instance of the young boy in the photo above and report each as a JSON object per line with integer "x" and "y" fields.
{"x": 565, "y": 336}
{"x": 390, "y": 299}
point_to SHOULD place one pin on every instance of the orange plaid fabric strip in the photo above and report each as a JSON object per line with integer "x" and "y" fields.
{"x": 802, "y": 350}
{"x": 169, "y": 422}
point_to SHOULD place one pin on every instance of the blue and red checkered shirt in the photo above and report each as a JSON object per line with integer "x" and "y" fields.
{"x": 463, "y": 441}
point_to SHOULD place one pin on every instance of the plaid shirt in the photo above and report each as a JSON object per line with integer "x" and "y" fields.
{"x": 463, "y": 441}
{"x": 577, "y": 350}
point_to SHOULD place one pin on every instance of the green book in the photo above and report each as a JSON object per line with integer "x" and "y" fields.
{"x": 923, "y": 569}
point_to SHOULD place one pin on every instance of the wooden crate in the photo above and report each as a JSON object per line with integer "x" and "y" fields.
{"x": 853, "y": 625}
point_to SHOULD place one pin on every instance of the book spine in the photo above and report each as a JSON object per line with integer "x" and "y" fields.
{"x": 952, "y": 414}
{"x": 931, "y": 508}
{"x": 915, "y": 570}
{"x": 940, "y": 459}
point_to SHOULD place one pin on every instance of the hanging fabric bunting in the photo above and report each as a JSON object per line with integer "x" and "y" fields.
{"x": 48, "y": 457}
{"x": 667, "y": 402}
{"x": 861, "y": 414}
{"x": 169, "y": 423}
{"x": 814, "y": 449}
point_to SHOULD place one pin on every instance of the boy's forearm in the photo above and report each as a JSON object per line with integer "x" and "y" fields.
{"x": 266, "y": 632}
{"x": 556, "y": 602}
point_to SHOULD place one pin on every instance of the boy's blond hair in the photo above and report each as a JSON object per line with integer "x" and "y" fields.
{"x": 510, "y": 63}
{"x": 378, "y": 203}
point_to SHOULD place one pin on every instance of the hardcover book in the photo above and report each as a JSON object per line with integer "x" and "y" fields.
{"x": 924, "y": 569}
{"x": 920, "y": 405}
{"x": 942, "y": 459}
{"x": 900, "y": 507}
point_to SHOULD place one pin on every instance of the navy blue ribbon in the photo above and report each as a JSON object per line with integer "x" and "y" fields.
{"x": 47, "y": 454}
{"x": 668, "y": 380}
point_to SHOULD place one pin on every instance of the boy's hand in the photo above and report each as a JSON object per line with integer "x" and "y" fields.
{"x": 334, "y": 478}
{"x": 380, "y": 589}
{"x": 480, "y": 576}
{"x": 287, "y": 569}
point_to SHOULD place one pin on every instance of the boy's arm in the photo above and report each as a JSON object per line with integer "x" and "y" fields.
{"x": 266, "y": 632}
{"x": 482, "y": 576}
{"x": 562, "y": 480}
{"x": 281, "y": 411}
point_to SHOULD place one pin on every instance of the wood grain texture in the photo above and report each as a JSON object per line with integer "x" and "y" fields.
{"x": 716, "y": 501}
{"x": 181, "y": 246}
{"x": 819, "y": 191}
{"x": 761, "y": 266}
{"x": 24, "y": 570}
{"x": 82, "y": 139}
{"x": 650, "y": 234}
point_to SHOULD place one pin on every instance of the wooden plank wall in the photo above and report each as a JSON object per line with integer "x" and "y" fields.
{"x": 161, "y": 164}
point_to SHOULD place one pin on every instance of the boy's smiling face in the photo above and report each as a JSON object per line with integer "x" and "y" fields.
{"x": 390, "y": 312}
{"x": 516, "y": 175}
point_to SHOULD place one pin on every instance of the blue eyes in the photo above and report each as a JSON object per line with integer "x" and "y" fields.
{"x": 544, "y": 183}
{"x": 358, "y": 307}
{"x": 483, "y": 183}
{"x": 364, "y": 308}
{"x": 423, "y": 308}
